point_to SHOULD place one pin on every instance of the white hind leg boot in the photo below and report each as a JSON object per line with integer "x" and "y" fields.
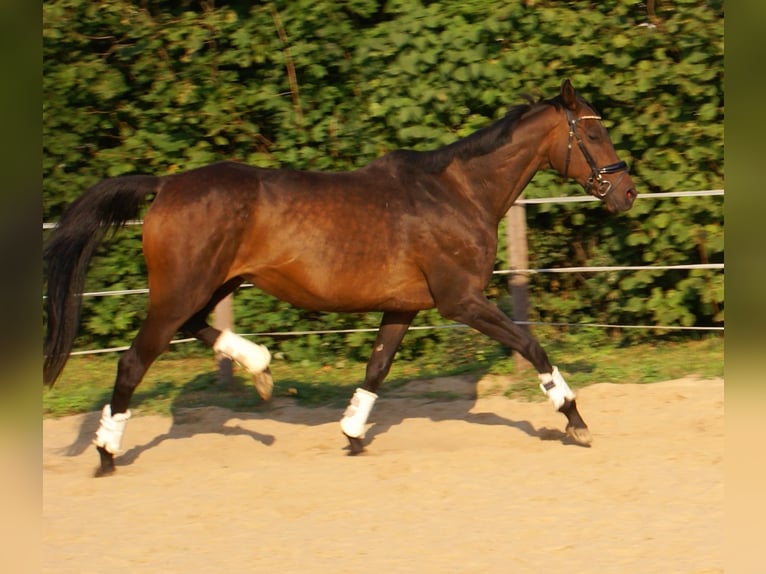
{"x": 255, "y": 358}
{"x": 111, "y": 429}
{"x": 556, "y": 388}
{"x": 356, "y": 414}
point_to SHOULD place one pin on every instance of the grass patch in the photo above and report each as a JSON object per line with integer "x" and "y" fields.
{"x": 178, "y": 382}
{"x": 584, "y": 365}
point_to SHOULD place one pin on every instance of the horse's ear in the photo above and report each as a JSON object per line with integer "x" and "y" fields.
{"x": 568, "y": 95}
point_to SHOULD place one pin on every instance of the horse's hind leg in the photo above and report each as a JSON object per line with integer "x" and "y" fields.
{"x": 152, "y": 339}
{"x": 255, "y": 358}
{"x": 392, "y": 330}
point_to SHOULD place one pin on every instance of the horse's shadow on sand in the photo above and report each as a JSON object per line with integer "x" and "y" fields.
{"x": 180, "y": 428}
{"x": 456, "y": 406}
{"x": 185, "y": 423}
{"x": 492, "y": 419}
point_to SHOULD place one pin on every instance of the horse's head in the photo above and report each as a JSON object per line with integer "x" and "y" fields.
{"x": 585, "y": 153}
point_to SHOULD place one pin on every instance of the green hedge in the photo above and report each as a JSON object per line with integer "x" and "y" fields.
{"x": 329, "y": 85}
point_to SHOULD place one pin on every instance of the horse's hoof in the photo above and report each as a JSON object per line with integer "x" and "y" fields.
{"x": 101, "y": 472}
{"x": 107, "y": 463}
{"x": 355, "y": 445}
{"x": 581, "y": 435}
{"x": 264, "y": 384}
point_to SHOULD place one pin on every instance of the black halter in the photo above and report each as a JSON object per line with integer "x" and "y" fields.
{"x": 602, "y": 186}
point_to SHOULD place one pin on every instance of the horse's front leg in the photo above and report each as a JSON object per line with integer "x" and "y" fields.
{"x": 478, "y": 312}
{"x": 563, "y": 400}
{"x": 393, "y": 326}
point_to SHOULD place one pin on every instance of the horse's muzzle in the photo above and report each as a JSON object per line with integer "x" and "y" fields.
{"x": 621, "y": 199}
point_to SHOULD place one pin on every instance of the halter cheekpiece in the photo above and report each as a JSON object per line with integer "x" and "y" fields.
{"x": 596, "y": 185}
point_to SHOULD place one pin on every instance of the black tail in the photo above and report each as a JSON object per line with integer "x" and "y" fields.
{"x": 108, "y": 204}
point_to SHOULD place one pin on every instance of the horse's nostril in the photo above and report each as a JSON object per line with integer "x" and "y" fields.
{"x": 631, "y": 194}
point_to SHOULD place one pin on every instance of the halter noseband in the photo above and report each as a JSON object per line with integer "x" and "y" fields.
{"x": 603, "y": 186}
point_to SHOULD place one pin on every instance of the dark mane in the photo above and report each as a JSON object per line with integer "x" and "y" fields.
{"x": 484, "y": 141}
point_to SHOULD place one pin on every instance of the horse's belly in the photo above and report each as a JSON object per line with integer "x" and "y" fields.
{"x": 344, "y": 291}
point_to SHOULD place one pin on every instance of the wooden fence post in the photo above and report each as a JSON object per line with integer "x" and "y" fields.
{"x": 518, "y": 282}
{"x": 223, "y": 318}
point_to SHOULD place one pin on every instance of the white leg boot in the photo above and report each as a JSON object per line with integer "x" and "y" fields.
{"x": 255, "y": 358}
{"x": 556, "y": 388}
{"x": 111, "y": 429}
{"x": 357, "y": 412}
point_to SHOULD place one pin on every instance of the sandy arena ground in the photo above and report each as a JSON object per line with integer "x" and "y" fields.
{"x": 461, "y": 486}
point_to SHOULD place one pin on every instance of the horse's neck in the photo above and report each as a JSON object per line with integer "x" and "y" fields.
{"x": 498, "y": 178}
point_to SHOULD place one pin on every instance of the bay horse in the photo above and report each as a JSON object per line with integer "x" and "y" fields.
{"x": 410, "y": 231}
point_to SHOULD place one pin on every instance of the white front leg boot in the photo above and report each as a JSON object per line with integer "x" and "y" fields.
{"x": 556, "y": 388}
{"x": 357, "y": 412}
{"x": 111, "y": 429}
{"x": 255, "y": 358}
